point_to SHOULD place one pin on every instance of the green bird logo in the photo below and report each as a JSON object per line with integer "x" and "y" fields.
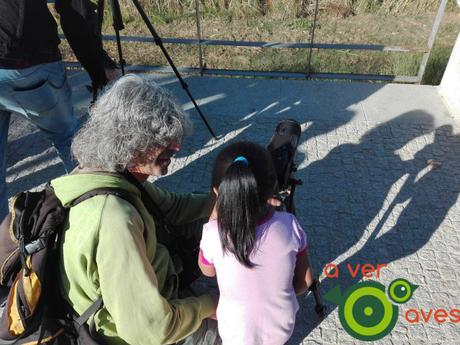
{"x": 366, "y": 312}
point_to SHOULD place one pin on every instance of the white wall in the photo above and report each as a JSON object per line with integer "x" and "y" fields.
{"x": 450, "y": 84}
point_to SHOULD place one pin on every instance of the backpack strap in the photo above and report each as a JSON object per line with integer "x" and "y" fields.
{"x": 90, "y": 311}
{"x": 148, "y": 202}
{"x": 151, "y": 206}
{"x": 118, "y": 192}
{"x": 121, "y": 193}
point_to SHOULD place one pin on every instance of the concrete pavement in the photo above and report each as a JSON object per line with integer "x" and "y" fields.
{"x": 381, "y": 170}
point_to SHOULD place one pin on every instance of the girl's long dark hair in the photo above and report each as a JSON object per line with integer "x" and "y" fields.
{"x": 243, "y": 190}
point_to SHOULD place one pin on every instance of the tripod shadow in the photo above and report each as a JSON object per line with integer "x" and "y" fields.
{"x": 245, "y": 100}
{"x": 429, "y": 191}
{"x": 241, "y": 109}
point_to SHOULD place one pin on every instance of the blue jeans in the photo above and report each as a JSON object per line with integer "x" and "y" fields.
{"x": 42, "y": 95}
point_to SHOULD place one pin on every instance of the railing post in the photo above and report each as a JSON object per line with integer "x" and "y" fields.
{"x": 198, "y": 34}
{"x": 434, "y": 32}
{"x": 312, "y": 39}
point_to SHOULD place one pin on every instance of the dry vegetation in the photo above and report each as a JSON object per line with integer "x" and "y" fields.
{"x": 405, "y": 23}
{"x": 297, "y": 8}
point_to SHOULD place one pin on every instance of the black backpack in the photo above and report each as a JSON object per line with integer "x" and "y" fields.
{"x": 34, "y": 311}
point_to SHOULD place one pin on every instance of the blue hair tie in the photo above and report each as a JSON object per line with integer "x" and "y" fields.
{"x": 241, "y": 159}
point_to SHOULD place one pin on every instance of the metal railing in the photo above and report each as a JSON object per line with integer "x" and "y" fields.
{"x": 277, "y": 45}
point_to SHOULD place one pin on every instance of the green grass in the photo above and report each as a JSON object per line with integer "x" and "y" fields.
{"x": 436, "y": 65}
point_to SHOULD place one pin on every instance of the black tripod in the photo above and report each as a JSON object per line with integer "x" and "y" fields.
{"x": 282, "y": 148}
{"x": 118, "y": 26}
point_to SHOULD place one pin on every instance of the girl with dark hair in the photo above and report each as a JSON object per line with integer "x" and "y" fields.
{"x": 258, "y": 254}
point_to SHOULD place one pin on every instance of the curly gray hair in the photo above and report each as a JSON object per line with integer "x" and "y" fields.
{"x": 132, "y": 116}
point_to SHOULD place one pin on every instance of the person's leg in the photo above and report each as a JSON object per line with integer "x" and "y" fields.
{"x": 5, "y": 115}
{"x": 207, "y": 334}
{"x": 4, "y": 124}
{"x": 47, "y": 103}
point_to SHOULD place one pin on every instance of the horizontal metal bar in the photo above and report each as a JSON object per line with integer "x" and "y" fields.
{"x": 287, "y": 75}
{"x": 278, "y": 45}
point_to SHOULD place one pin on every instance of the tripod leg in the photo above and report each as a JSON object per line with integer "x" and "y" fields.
{"x": 289, "y": 202}
{"x": 117, "y": 26}
{"x": 120, "y": 52}
{"x": 319, "y": 307}
{"x": 159, "y": 43}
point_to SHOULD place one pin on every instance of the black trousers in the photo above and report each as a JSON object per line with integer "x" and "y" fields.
{"x": 183, "y": 243}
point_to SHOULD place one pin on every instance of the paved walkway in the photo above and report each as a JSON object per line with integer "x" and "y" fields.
{"x": 381, "y": 170}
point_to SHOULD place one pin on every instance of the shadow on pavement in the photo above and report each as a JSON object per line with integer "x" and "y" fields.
{"x": 369, "y": 170}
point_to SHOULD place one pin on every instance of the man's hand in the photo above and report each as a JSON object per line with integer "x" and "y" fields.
{"x": 112, "y": 74}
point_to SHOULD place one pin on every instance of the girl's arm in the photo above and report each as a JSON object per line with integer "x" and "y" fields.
{"x": 303, "y": 273}
{"x": 206, "y": 268}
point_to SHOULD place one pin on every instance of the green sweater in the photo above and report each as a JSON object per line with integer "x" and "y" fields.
{"x": 105, "y": 252}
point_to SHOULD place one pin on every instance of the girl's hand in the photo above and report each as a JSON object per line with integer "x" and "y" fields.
{"x": 303, "y": 274}
{"x": 274, "y": 202}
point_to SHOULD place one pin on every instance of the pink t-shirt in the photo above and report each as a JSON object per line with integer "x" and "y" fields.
{"x": 257, "y": 306}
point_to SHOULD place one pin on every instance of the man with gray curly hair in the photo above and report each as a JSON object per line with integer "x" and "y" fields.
{"x": 120, "y": 250}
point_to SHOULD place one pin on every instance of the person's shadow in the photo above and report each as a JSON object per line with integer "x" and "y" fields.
{"x": 366, "y": 198}
{"x": 431, "y": 189}
{"x": 344, "y": 191}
